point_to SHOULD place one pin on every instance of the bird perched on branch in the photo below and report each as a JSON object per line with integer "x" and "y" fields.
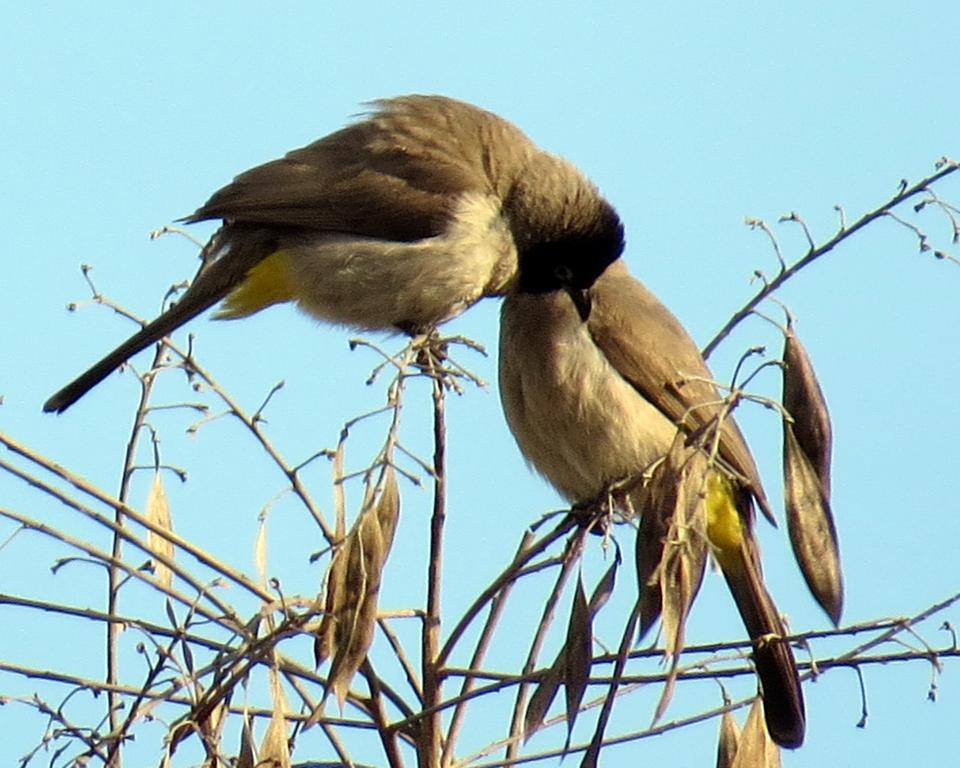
{"x": 595, "y": 385}
{"x": 399, "y": 221}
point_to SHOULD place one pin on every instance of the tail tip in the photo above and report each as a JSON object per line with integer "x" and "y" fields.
{"x": 56, "y": 404}
{"x": 788, "y": 735}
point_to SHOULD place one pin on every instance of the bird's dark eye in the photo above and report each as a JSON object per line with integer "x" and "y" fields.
{"x": 563, "y": 273}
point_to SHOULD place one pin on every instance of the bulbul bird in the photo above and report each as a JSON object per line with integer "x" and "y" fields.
{"x": 398, "y": 222}
{"x": 594, "y": 388}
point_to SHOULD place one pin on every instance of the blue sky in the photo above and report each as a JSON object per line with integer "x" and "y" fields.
{"x": 116, "y": 119}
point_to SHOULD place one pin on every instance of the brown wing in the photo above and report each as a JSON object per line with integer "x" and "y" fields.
{"x": 392, "y": 175}
{"x": 651, "y": 350}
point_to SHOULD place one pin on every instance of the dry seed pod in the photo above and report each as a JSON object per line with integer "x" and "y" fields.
{"x": 811, "y": 527}
{"x": 807, "y": 446}
{"x": 803, "y": 398}
{"x": 353, "y": 586}
{"x": 375, "y": 529}
{"x": 356, "y": 624}
{"x": 324, "y": 646}
{"x": 660, "y": 502}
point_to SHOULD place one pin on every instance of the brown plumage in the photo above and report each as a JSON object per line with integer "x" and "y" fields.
{"x": 397, "y": 222}
{"x": 595, "y": 400}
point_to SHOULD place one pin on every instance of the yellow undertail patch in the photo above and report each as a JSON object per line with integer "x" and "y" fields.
{"x": 266, "y": 283}
{"x": 724, "y": 527}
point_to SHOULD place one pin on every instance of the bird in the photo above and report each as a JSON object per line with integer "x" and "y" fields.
{"x": 397, "y": 222}
{"x": 595, "y": 384}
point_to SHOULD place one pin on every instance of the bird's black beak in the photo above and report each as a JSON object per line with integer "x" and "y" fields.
{"x": 581, "y": 300}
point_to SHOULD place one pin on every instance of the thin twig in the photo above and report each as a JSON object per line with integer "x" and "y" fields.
{"x": 572, "y": 553}
{"x": 82, "y": 485}
{"x": 903, "y": 194}
{"x": 430, "y": 748}
{"x": 113, "y": 582}
{"x": 483, "y": 643}
{"x": 510, "y": 574}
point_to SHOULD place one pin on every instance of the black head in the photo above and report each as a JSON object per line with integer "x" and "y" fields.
{"x": 575, "y": 258}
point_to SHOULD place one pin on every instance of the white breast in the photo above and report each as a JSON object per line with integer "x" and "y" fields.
{"x": 577, "y": 421}
{"x": 371, "y": 283}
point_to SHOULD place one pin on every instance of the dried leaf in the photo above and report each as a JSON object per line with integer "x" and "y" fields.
{"x": 756, "y": 749}
{"x": 685, "y": 559}
{"x": 207, "y": 705}
{"x": 671, "y": 521}
{"x": 542, "y": 698}
{"x": 171, "y": 613}
{"x": 666, "y": 695}
{"x": 260, "y": 549}
{"x": 211, "y": 729}
{"x": 810, "y": 524}
{"x": 578, "y": 652}
{"x": 246, "y": 757}
{"x": 339, "y": 497}
{"x": 158, "y": 513}
{"x": 187, "y": 657}
{"x": 685, "y": 550}
{"x": 252, "y": 627}
{"x": 803, "y": 398}
{"x": 728, "y": 742}
{"x": 603, "y": 590}
{"x": 684, "y": 556}
{"x": 275, "y": 748}
{"x": 549, "y": 684}
{"x": 649, "y": 551}
{"x": 657, "y": 503}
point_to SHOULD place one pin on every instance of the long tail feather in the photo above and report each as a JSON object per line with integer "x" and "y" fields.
{"x": 183, "y": 311}
{"x": 736, "y": 552}
{"x": 223, "y": 272}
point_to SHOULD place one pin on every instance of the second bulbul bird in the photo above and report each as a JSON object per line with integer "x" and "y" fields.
{"x": 594, "y": 386}
{"x": 397, "y": 222}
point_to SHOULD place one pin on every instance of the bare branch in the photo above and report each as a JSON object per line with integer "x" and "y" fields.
{"x": 945, "y": 168}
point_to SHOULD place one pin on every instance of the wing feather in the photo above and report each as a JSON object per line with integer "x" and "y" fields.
{"x": 394, "y": 175}
{"x": 647, "y": 345}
